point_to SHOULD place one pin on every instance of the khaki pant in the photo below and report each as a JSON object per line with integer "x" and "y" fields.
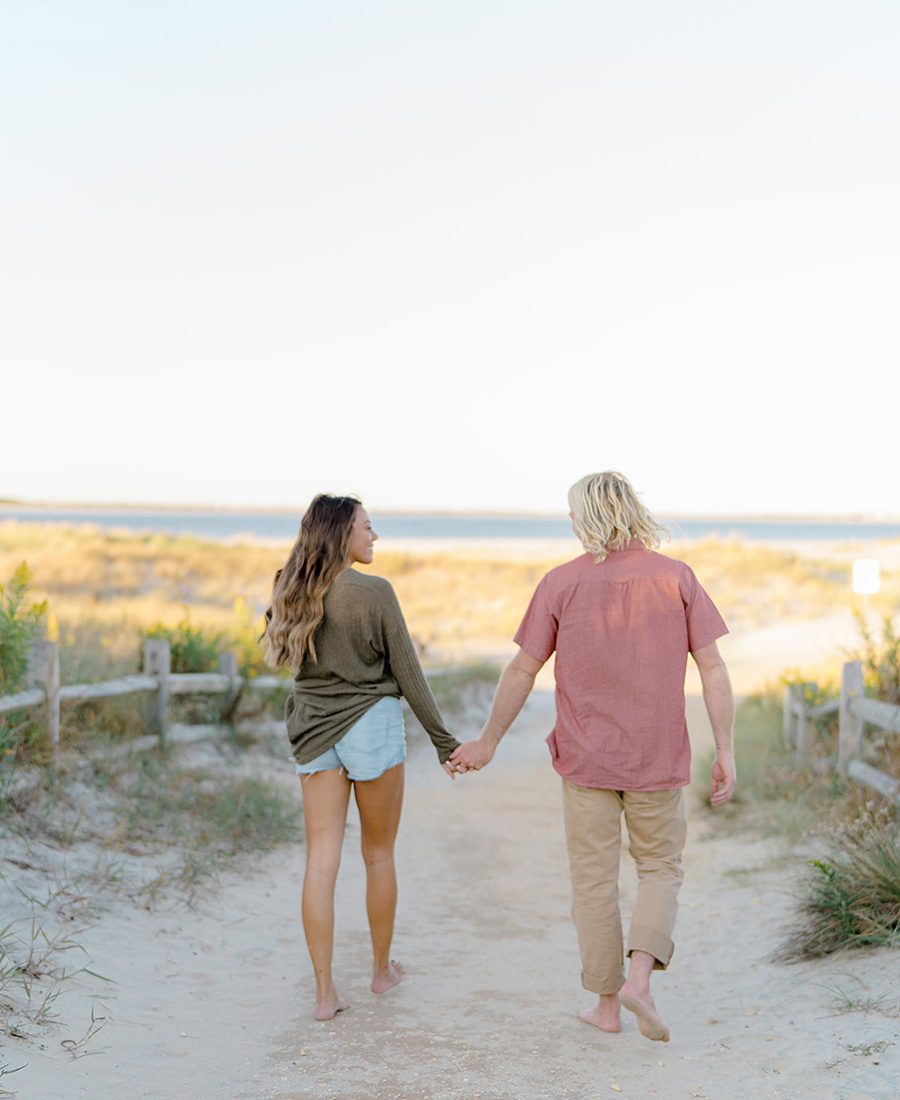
{"x": 657, "y": 829}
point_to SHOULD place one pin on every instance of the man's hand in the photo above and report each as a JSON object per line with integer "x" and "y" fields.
{"x": 472, "y": 756}
{"x": 724, "y": 778}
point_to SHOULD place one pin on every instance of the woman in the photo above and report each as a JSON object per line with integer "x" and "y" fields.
{"x": 343, "y": 635}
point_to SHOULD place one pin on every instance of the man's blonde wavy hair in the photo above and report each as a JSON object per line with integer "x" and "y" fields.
{"x": 607, "y": 514}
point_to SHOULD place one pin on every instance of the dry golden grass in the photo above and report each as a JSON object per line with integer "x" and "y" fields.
{"x": 114, "y": 583}
{"x": 756, "y": 585}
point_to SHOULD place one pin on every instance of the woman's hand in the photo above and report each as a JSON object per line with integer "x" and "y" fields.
{"x": 472, "y": 756}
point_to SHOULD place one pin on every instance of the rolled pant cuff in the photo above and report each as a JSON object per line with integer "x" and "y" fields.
{"x": 603, "y": 987}
{"x": 653, "y": 943}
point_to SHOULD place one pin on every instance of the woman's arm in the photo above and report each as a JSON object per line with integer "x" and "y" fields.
{"x": 407, "y": 671}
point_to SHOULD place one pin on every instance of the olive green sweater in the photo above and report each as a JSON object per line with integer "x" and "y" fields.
{"x": 363, "y": 653}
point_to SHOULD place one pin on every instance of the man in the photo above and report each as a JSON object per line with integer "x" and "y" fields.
{"x": 621, "y": 619}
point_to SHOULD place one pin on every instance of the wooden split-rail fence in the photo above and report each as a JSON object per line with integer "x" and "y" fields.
{"x": 45, "y": 695}
{"x": 854, "y": 710}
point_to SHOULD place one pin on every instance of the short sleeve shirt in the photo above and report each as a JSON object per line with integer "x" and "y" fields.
{"x": 621, "y": 630}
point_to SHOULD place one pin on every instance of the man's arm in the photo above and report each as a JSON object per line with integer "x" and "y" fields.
{"x": 513, "y": 689}
{"x": 719, "y": 700}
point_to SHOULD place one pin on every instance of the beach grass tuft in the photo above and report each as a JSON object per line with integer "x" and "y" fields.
{"x": 851, "y": 895}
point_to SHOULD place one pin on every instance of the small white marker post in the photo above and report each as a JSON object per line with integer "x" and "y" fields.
{"x": 866, "y": 579}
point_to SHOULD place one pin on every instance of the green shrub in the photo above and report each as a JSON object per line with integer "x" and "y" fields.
{"x": 243, "y": 639}
{"x": 20, "y": 625}
{"x": 852, "y": 895}
{"x": 193, "y": 649}
{"x": 880, "y": 660}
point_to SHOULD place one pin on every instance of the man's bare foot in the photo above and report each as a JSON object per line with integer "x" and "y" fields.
{"x": 390, "y": 977}
{"x": 328, "y": 1007}
{"x": 641, "y": 1004}
{"x": 605, "y": 1014}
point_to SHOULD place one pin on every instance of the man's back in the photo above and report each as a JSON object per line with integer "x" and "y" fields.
{"x": 621, "y": 629}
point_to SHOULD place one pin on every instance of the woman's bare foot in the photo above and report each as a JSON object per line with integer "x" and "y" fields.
{"x": 641, "y": 1004}
{"x": 329, "y": 1005}
{"x": 605, "y": 1014}
{"x": 388, "y": 978}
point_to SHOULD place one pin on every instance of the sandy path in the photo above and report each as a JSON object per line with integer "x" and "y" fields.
{"x": 215, "y": 1003}
{"x": 490, "y": 1005}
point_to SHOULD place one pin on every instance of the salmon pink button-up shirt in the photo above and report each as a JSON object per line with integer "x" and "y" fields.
{"x": 622, "y": 630}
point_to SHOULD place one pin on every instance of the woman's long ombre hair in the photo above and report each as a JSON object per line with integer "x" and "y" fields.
{"x": 607, "y": 514}
{"x": 320, "y": 554}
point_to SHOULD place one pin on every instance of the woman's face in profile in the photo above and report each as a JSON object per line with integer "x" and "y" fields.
{"x": 362, "y": 539}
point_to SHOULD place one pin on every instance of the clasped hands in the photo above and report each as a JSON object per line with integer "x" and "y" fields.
{"x": 470, "y": 757}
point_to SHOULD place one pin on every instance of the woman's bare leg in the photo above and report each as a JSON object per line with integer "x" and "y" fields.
{"x": 326, "y": 796}
{"x": 380, "y": 801}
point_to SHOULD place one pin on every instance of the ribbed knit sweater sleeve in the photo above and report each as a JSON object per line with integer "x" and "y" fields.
{"x": 407, "y": 671}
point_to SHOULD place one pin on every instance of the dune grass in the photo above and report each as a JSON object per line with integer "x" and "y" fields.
{"x": 851, "y": 895}
{"x": 109, "y": 585}
{"x": 848, "y": 894}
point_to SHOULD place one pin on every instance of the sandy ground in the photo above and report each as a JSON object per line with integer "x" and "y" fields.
{"x": 215, "y": 1002}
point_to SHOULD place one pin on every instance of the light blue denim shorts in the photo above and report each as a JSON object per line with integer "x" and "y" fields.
{"x": 371, "y": 746}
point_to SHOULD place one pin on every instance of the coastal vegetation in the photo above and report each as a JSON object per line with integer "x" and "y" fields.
{"x": 845, "y": 840}
{"x": 110, "y": 585}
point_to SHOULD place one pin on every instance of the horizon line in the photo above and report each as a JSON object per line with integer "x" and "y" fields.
{"x": 225, "y": 509}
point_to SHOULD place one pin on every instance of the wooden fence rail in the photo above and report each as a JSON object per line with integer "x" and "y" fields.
{"x": 854, "y": 710}
{"x": 46, "y": 694}
{"x": 157, "y": 679}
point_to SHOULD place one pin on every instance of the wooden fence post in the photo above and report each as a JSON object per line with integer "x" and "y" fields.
{"x": 43, "y": 672}
{"x": 805, "y": 729}
{"x": 157, "y": 662}
{"x": 799, "y": 728}
{"x": 788, "y": 719}
{"x": 850, "y": 729}
{"x": 228, "y": 666}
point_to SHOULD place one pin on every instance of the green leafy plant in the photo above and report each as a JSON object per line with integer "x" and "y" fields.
{"x": 880, "y": 659}
{"x": 20, "y": 625}
{"x": 193, "y": 649}
{"x": 852, "y": 896}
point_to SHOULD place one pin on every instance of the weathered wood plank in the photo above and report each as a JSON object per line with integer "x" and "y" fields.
{"x": 878, "y": 713}
{"x": 850, "y": 729}
{"x": 34, "y": 697}
{"x": 43, "y": 672}
{"x": 822, "y": 709}
{"x": 126, "y": 685}
{"x": 157, "y": 663}
{"x": 269, "y": 683}
{"x": 209, "y": 683}
{"x": 872, "y": 777}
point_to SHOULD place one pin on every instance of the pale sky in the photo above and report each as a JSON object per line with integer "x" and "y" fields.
{"x": 451, "y": 255}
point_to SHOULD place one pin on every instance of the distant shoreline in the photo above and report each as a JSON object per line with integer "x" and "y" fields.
{"x": 718, "y": 518}
{"x": 454, "y": 532}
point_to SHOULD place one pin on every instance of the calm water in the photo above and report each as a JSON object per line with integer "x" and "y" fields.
{"x": 276, "y": 525}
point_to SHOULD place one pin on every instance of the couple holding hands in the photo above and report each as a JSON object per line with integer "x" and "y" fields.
{"x": 621, "y": 619}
